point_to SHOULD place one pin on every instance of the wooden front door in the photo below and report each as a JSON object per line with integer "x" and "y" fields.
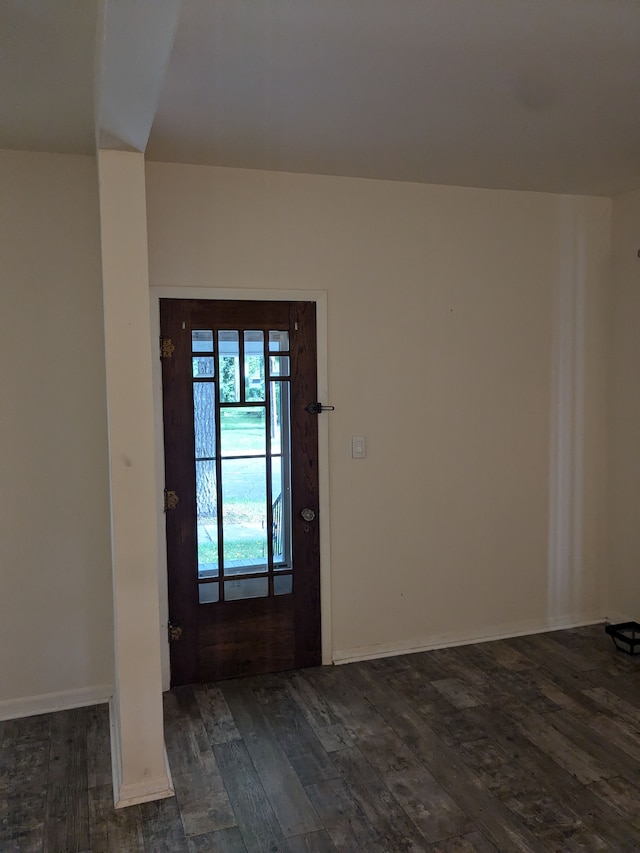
{"x": 241, "y": 476}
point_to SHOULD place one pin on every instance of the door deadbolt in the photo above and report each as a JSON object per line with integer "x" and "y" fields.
{"x": 308, "y": 514}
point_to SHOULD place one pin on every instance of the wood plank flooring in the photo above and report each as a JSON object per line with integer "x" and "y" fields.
{"x": 529, "y": 744}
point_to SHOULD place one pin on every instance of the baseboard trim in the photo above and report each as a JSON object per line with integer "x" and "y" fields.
{"x": 134, "y": 793}
{"x": 442, "y": 641}
{"x": 145, "y": 792}
{"x": 47, "y": 703}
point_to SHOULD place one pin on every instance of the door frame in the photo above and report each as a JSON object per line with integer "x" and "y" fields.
{"x": 240, "y": 295}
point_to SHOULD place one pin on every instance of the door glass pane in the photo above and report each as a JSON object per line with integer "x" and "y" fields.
{"x": 279, "y": 506}
{"x": 242, "y": 431}
{"x": 209, "y": 593}
{"x": 279, "y": 426}
{"x": 278, "y": 341}
{"x": 203, "y": 365}
{"x": 204, "y": 419}
{"x": 244, "y": 515}
{"x": 207, "y": 519}
{"x": 229, "y": 355}
{"x": 279, "y": 365}
{"x": 282, "y": 585}
{"x": 246, "y": 588}
{"x": 254, "y": 366}
{"x": 280, "y": 479}
{"x": 202, "y": 340}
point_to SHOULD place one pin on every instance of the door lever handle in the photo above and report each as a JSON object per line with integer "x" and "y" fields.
{"x": 316, "y": 408}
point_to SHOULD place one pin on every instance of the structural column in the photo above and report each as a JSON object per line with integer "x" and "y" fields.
{"x": 140, "y": 769}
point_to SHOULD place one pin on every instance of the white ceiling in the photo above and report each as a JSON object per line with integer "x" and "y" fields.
{"x": 523, "y": 94}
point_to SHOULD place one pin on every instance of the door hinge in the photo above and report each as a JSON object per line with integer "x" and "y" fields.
{"x": 171, "y": 499}
{"x": 167, "y": 347}
{"x": 175, "y": 632}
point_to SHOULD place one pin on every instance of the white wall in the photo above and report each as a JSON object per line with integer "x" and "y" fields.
{"x": 624, "y": 409}
{"x": 467, "y": 341}
{"x": 55, "y": 575}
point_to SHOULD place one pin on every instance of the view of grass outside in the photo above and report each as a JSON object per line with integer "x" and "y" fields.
{"x": 238, "y": 549}
{"x": 244, "y": 493}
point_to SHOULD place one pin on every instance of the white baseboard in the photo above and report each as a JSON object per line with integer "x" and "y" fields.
{"x": 145, "y": 792}
{"x": 46, "y": 703}
{"x": 462, "y": 638}
{"x": 134, "y": 793}
{"x": 114, "y": 737}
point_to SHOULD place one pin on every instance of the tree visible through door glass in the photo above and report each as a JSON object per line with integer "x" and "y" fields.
{"x": 229, "y": 356}
{"x": 254, "y": 366}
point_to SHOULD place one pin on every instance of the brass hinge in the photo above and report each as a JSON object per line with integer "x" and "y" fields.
{"x": 167, "y": 347}
{"x": 175, "y": 633}
{"x": 171, "y": 500}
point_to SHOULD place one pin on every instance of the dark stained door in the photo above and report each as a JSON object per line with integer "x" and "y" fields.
{"x": 241, "y": 466}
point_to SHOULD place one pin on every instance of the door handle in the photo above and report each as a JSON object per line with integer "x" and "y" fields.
{"x": 317, "y": 408}
{"x": 308, "y": 514}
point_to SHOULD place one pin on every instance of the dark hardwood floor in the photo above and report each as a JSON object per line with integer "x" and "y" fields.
{"x": 523, "y": 744}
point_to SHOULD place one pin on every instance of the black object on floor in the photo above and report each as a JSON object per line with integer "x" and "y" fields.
{"x": 626, "y": 636}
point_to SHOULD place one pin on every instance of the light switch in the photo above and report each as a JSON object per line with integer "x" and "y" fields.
{"x": 358, "y": 447}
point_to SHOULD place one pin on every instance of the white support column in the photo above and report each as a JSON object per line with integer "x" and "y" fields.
{"x": 140, "y": 770}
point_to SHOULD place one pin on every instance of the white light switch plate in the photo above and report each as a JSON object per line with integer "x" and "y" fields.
{"x": 358, "y": 447}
